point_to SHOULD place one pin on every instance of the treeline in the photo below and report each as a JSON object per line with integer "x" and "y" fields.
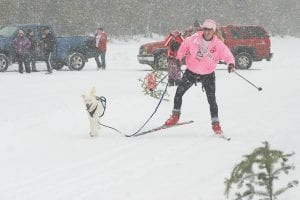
{"x": 130, "y": 17}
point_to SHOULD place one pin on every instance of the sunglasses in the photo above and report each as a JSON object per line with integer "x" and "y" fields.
{"x": 207, "y": 29}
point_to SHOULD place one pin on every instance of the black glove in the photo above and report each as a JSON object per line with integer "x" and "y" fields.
{"x": 231, "y": 68}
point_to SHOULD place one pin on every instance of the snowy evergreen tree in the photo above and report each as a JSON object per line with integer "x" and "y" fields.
{"x": 256, "y": 174}
{"x": 138, "y": 16}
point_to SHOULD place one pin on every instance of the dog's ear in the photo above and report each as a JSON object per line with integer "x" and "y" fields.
{"x": 93, "y": 91}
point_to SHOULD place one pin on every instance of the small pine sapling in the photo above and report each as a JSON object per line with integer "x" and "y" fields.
{"x": 154, "y": 84}
{"x": 255, "y": 175}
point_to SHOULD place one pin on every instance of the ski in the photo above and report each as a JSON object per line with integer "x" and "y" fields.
{"x": 159, "y": 128}
{"x": 223, "y": 137}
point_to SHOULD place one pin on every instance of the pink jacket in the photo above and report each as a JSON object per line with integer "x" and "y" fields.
{"x": 206, "y": 64}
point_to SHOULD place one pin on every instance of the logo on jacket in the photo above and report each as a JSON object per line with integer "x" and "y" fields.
{"x": 199, "y": 54}
{"x": 213, "y": 49}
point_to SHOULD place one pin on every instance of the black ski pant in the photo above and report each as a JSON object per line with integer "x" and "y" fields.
{"x": 48, "y": 57}
{"x": 102, "y": 56}
{"x": 208, "y": 84}
{"x": 101, "y": 64}
{"x": 32, "y": 58}
{"x": 23, "y": 59}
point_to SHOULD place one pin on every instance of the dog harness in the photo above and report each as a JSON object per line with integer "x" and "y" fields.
{"x": 102, "y": 99}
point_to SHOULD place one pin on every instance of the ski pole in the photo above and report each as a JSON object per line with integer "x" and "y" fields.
{"x": 258, "y": 88}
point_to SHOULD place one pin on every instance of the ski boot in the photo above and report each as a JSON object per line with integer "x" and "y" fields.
{"x": 217, "y": 128}
{"x": 173, "y": 119}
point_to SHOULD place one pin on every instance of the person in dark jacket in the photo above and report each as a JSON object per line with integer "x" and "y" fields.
{"x": 22, "y": 45}
{"x": 32, "y": 50}
{"x": 48, "y": 39}
{"x": 192, "y": 29}
{"x": 100, "y": 43}
{"x": 173, "y": 41}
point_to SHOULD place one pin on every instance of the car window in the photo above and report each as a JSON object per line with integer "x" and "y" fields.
{"x": 8, "y": 31}
{"x": 248, "y": 32}
{"x": 235, "y": 34}
{"x": 257, "y": 32}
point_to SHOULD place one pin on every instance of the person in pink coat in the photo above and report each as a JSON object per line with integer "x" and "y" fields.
{"x": 202, "y": 52}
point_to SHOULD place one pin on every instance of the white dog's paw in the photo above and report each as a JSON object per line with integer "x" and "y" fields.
{"x": 93, "y": 134}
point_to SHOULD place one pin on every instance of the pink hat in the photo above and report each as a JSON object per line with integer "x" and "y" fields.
{"x": 210, "y": 24}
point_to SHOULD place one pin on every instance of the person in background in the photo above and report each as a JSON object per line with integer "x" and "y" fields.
{"x": 32, "y": 50}
{"x": 22, "y": 45}
{"x": 203, "y": 51}
{"x": 197, "y": 26}
{"x": 192, "y": 29}
{"x": 101, "y": 45}
{"x": 173, "y": 42}
{"x": 48, "y": 39}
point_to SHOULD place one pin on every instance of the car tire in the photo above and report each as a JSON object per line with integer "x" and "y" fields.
{"x": 160, "y": 62}
{"x": 76, "y": 61}
{"x": 3, "y": 63}
{"x": 58, "y": 66}
{"x": 243, "y": 60}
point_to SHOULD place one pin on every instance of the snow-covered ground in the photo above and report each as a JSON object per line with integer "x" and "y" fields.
{"x": 47, "y": 154}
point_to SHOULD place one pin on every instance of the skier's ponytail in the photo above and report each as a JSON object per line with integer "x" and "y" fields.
{"x": 218, "y": 33}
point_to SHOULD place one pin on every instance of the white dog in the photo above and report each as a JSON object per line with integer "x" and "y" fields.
{"x": 95, "y": 107}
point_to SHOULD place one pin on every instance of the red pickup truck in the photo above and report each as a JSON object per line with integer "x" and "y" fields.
{"x": 247, "y": 44}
